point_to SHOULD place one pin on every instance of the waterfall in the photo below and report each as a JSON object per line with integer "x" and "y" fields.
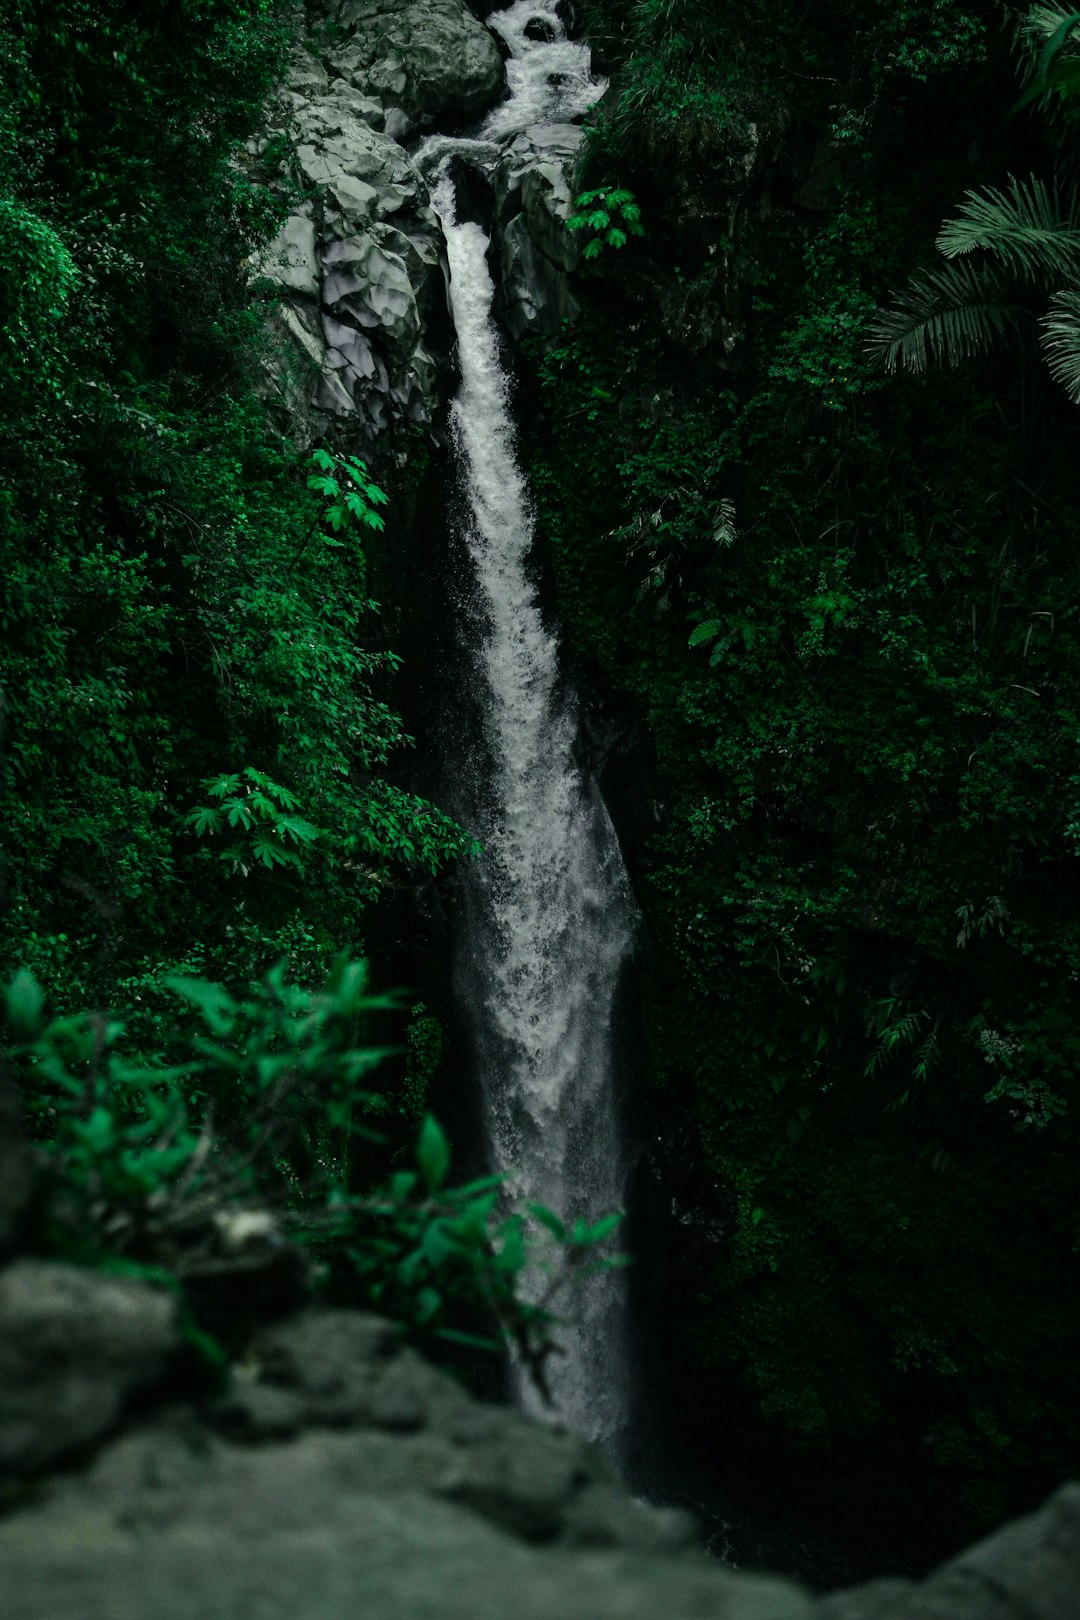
{"x": 548, "y": 916}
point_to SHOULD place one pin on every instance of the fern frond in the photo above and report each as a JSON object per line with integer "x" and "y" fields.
{"x": 707, "y": 630}
{"x": 946, "y": 316}
{"x": 1026, "y": 229}
{"x": 1060, "y": 338}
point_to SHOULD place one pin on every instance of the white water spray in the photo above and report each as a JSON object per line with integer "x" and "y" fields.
{"x": 549, "y": 916}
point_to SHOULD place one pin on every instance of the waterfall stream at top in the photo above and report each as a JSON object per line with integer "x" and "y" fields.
{"x": 548, "y": 916}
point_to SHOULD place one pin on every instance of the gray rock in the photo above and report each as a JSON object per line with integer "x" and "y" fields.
{"x": 74, "y": 1345}
{"x": 290, "y": 258}
{"x": 426, "y": 61}
{"x": 536, "y": 252}
{"x": 173, "y": 1523}
{"x": 365, "y": 256}
{"x": 1030, "y": 1570}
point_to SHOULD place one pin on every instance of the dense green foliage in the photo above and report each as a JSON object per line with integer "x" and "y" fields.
{"x": 196, "y": 726}
{"x": 262, "y": 1127}
{"x": 196, "y": 739}
{"x": 845, "y": 607}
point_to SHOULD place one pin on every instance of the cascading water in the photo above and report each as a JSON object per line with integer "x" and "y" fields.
{"x": 548, "y": 915}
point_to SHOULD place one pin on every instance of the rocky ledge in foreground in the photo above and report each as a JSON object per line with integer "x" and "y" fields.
{"x": 343, "y": 1476}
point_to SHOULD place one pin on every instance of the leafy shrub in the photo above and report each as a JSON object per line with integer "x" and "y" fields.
{"x": 264, "y": 1112}
{"x": 611, "y": 215}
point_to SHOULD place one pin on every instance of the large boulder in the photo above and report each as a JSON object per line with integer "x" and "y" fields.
{"x": 359, "y": 269}
{"x": 74, "y": 1347}
{"x": 426, "y": 62}
{"x": 1030, "y": 1570}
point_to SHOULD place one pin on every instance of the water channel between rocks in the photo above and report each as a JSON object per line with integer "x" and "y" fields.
{"x": 548, "y": 917}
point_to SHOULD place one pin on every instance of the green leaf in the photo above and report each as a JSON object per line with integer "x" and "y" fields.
{"x": 213, "y": 1000}
{"x": 604, "y": 1227}
{"x": 25, "y": 1001}
{"x": 471, "y": 1341}
{"x": 1027, "y": 229}
{"x": 433, "y": 1153}
{"x": 219, "y": 786}
{"x": 947, "y": 316}
{"x": 511, "y": 1257}
{"x": 271, "y": 853}
{"x": 205, "y": 820}
{"x": 548, "y": 1218}
{"x": 707, "y": 630}
{"x": 296, "y": 828}
{"x": 1061, "y": 341}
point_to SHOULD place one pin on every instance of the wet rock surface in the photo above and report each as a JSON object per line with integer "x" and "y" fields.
{"x": 429, "y": 63}
{"x": 536, "y": 251}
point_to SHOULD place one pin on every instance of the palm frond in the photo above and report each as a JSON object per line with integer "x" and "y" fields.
{"x": 1048, "y": 42}
{"x": 1027, "y": 229}
{"x": 1040, "y": 25}
{"x": 945, "y": 316}
{"x": 1060, "y": 339}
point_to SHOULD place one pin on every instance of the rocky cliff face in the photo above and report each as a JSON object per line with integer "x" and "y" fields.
{"x": 360, "y": 263}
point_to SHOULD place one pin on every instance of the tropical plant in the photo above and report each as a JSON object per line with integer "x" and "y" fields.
{"x": 611, "y": 214}
{"x": 254, "y": 1128}
{"x": 261, "y": 815}
{"x": 1025, "y": 279}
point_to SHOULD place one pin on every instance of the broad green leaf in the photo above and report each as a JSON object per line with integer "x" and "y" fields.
{"x": 220, "y": 786}
{"x": 212, "y": 1000}
{"x": 205, "y": 820}
{"x": 25, "y": 1001}
{"x": 548, "y": 1218}
{"x": 433, "y": 1153}
{"x": 604, "y": 1227}
{"x": 296, "y": 828}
